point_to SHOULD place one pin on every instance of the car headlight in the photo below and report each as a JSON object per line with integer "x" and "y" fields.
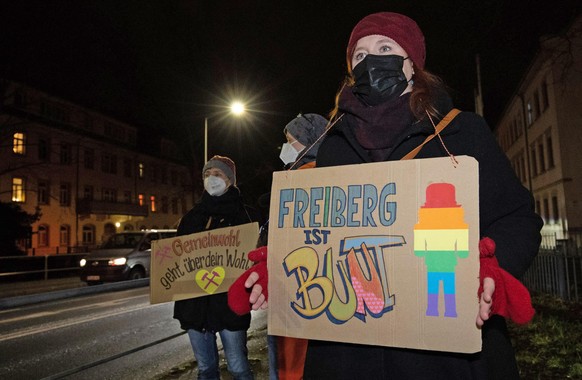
{"x": 83, "y": 262}
{"x": 119, "y": 261}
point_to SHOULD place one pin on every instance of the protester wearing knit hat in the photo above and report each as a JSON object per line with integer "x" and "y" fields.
{"x": 223, "y": 163}
{"x": 387, "y": 107}
{"x": 398, "y": 27}
{"x": 304, "y": 135}
{"x": 221, "y": 206}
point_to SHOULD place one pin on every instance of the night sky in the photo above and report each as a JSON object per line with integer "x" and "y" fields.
{"x": 164, "y": 65}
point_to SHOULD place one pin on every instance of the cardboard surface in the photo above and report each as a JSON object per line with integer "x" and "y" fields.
{"x": 200, "y": 264}
{"x": 381, "y": 254}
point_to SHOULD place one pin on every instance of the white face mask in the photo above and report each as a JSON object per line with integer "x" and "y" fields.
{"x": 288, "y": 154}
{"x": 215, "y": 186}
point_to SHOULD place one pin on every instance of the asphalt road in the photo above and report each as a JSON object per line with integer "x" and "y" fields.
{"x": 57, "y": 339}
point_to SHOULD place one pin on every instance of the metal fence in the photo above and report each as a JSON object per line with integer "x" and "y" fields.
{"x": 557, "y": 269}
{"x": 39, "y": 267}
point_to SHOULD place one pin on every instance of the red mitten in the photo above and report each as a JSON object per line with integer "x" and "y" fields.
{"x": 238, "y": 294}
{"x": 510, "y": 299}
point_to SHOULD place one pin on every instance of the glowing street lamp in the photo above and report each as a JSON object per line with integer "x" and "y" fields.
{"x": 236, "y": 108}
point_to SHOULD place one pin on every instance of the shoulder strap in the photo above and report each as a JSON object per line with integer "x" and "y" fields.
{"x": 438, "y": 128}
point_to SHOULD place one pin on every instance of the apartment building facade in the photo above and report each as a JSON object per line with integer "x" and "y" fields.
{"x": 84, "y": 171}
{"x": 541, "y": 132}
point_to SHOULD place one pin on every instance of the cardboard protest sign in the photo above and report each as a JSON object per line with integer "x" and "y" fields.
{"x": 200, "y": 264}
{"x": 381, "y": 254}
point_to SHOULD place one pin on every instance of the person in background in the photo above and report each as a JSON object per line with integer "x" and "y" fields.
{"x": 304, "y": 135}
{"x": 387, "y": 107}
{"x": 221, "y": 205}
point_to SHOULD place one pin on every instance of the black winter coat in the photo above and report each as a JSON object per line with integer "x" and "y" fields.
{"x": 506, "y": 216}
{"x": 211, "y": 313}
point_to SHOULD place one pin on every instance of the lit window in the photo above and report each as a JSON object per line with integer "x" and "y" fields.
{"x": 153, "y": 203}
{"x": 140, "y": 169}
{"x": 140, "y": 198}
{"x": 18, "y": 193}
{"x": 19, "y": 143}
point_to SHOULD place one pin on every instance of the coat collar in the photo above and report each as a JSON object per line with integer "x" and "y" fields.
{"x": 419, "y": 128}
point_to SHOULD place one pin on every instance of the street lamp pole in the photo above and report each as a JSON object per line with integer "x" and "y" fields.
{"x": 205, "y": 140}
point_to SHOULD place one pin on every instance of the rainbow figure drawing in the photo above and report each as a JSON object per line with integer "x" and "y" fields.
{"x": 441, "y": 237}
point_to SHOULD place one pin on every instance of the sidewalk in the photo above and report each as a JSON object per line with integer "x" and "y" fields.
{"x": 23, "y": 288}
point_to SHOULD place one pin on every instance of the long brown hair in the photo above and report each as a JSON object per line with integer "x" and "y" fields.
{"x": 425, "y": 90}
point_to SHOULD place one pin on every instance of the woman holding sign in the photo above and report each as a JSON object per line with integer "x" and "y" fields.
{"x": 221, "y": 206}
{"x": 389, "y": 108}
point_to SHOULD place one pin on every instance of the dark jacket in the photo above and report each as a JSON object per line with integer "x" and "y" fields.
{"x": 506, "y": 216}
{"x": 211, "y": 313}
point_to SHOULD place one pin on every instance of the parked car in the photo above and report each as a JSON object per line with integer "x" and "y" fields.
{"x": 123, "y": 256}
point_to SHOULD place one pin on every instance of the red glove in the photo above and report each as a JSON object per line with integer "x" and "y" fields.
{"x": 238, "y": 294}
{"x": 510, "y": 299}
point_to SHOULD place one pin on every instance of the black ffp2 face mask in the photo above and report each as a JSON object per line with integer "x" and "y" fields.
{"x": 379, "y": 78}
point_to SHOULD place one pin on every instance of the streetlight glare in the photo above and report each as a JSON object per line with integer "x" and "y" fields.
{"x": 237, "y": 108}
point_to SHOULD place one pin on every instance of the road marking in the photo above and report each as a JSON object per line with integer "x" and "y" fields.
{"x": 76, "y": 308}
{"x": 68, "y": 323}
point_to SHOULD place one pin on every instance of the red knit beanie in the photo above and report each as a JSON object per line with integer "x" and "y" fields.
{"x": 400, "y": 28}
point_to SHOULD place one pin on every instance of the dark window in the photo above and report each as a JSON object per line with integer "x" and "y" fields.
{"x": 550, "y": 150}
{"x": 43, "y": 149}
{"x": 165, "y": 205}
{"x": 43, "y": 192}
{"x": 65, "y": 235}
{"x": 164, "y": 176}
{"x": 108, "y": 163}
{"x": 43, "y": 235}
{"x": 546, "y": 214}
{"x": 545, "y": 99}
{"x": 537, "y": 110}
{"x": 88, "y": 234}
{"x": 88, "y": 192}
{"x": 555, "y": 209}
{"x": 66, "y": 154}
{"x": 154, "y": 173}
{"x": 534, "y": 164}
{"x": 65, "y": 194}
{"x": 109, "y": 195}
{"x": 542, "y": 157}
{"x": 89, "y": 159}
{"x": 127, "y": 166}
